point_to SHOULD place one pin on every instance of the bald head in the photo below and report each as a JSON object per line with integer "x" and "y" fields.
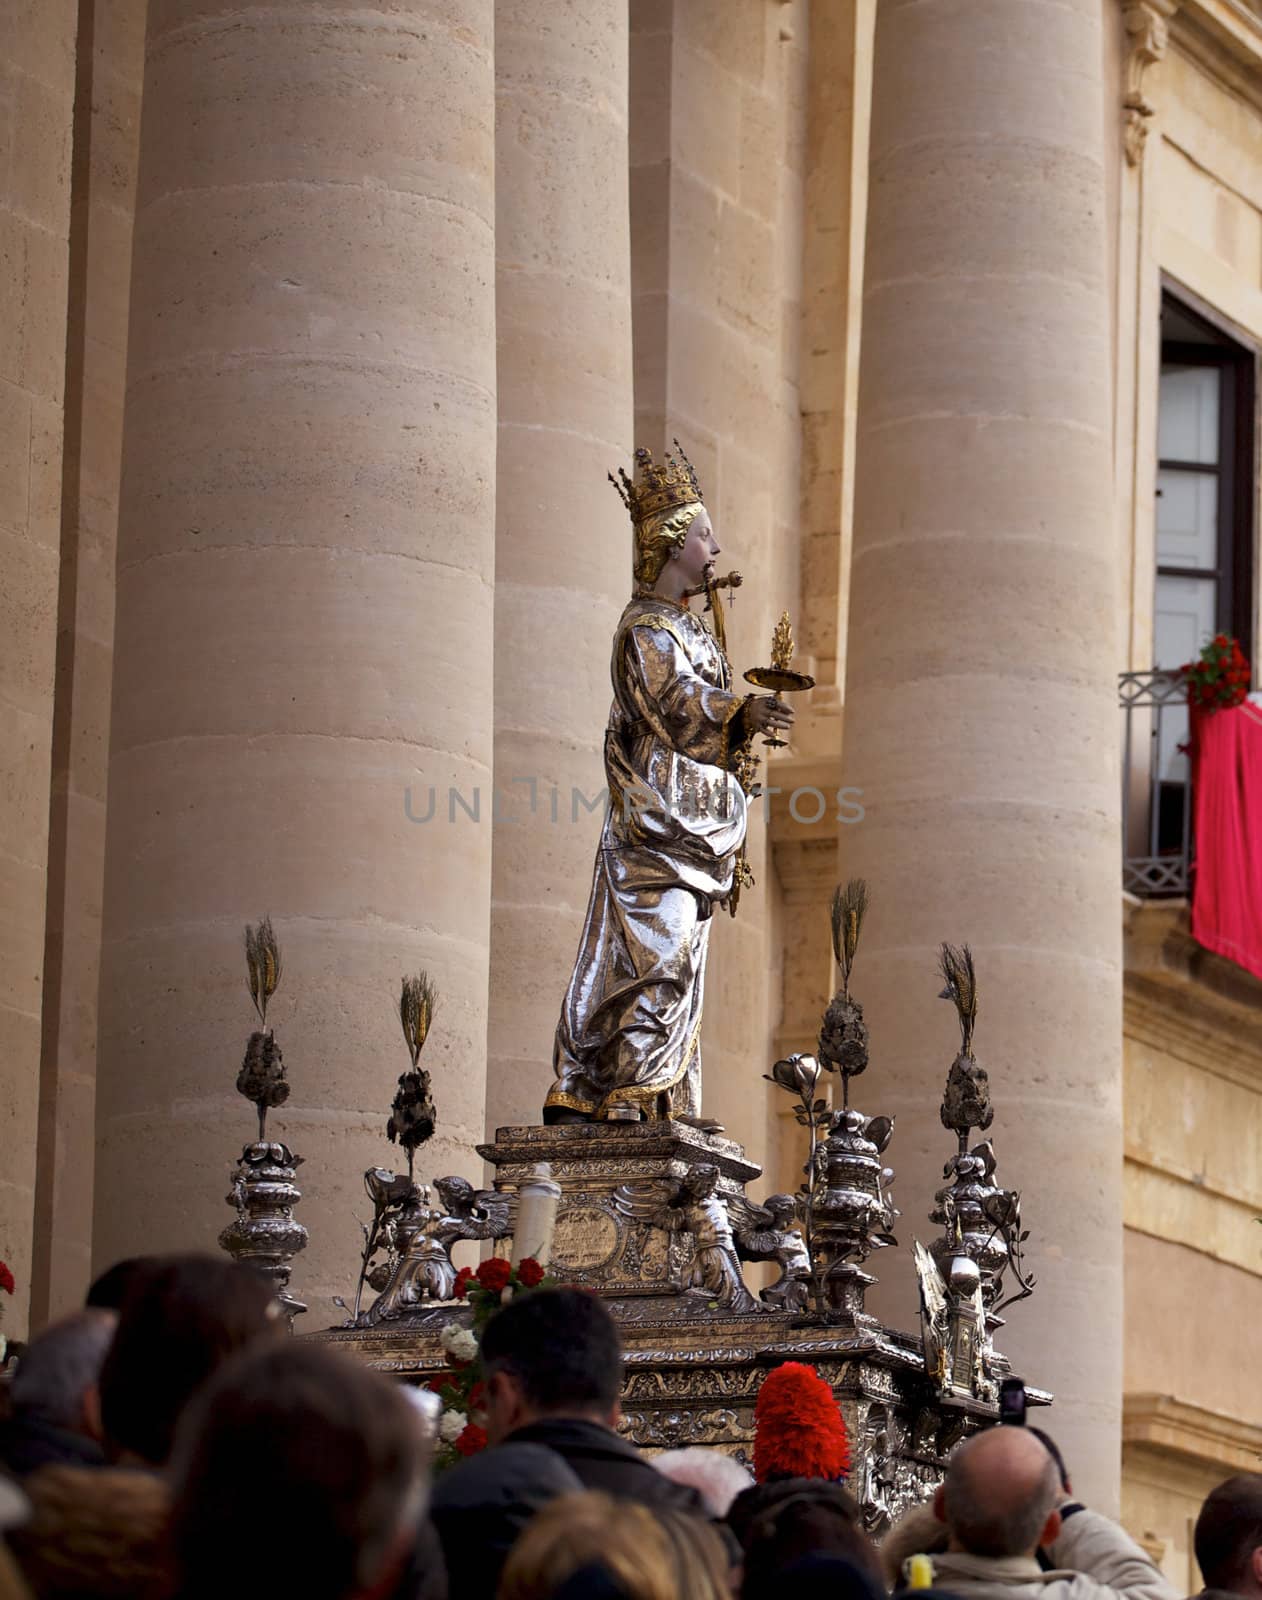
{"x": 1001, "y": 1488}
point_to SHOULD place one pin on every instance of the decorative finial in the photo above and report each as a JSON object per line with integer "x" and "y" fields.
{"x": 843, "y": 1036}
{"x": 782, "y": 644}
{"x": 966, "y": 1102}
{"x": 412, "y": 1112}
{"x": 262, "y": 1075}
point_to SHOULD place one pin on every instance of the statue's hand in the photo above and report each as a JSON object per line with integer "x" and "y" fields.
{"x": 764, "y": 713}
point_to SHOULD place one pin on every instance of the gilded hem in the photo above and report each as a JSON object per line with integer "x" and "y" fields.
{"x": 570, "y": 1102}
{"x": 638, "y": 1094}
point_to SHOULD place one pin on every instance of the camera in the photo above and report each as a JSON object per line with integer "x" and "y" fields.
{"x": 1012, "y": 1403}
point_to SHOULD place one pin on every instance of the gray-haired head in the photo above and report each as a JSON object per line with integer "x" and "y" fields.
{"x": 60, "y": 1366}
{"x": 1001, "y": 1487}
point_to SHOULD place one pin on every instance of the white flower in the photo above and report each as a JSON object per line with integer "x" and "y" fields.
{"x": 459, "y": 1342}
{"x": 452, "y": 1426}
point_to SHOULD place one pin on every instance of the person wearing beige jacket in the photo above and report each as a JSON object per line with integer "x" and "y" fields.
{"x": 1003, "y": 1502}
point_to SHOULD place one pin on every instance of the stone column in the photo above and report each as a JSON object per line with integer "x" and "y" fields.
{"x": 304, "y": 625}
{"x": 981, "y": 720}
{"x": 563, "y": 542}
{"x": 37, "y": 79}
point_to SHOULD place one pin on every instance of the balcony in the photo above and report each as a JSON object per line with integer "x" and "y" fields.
{"x": 1156, "y": 785}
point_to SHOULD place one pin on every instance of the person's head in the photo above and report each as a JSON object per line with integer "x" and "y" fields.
{"x": 799, "y": 1431}
{"x": 782, "y": 1523}
{"x": 333, "y": 1450}
{"x": 181, "y": 1318}
{"x": 1000, "y": 1495}
{"x": 717, "y": 1478}
{"x": 1228, "y": 1538}
{"x": 674, "y": 541}
{"x": 108, "y": 1291}
{"x": 554, "y": 1353}
{"x": 57, "y": 1380}
{"x": 1053, "y": 1450}
{"x": 615, "y": 1547}
{"x": 823, "y": 1577}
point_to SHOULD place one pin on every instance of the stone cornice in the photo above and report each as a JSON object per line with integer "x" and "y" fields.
{"x": 1186, "y": 1001}
{"x": 1192, "y": 1028}
{"x": 1160, "y": 1423}
{"x": 1224, "y": 39}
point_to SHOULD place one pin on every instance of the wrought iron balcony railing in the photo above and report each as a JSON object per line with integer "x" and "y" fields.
{"x": 1156, "y": 784}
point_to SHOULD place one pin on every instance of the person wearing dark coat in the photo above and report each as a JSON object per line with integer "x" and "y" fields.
{"x": 552, "y": 1366}
{"x": 552, "y": 1369}
{"x": 479, "y": 1507}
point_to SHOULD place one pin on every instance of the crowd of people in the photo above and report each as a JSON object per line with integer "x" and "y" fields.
{"x": 172, "y": 1442}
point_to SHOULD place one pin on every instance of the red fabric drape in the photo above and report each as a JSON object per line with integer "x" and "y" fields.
{"x": 1227, "y": 800}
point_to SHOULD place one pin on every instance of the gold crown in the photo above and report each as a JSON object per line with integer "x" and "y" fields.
{"x": 659, "y": 489}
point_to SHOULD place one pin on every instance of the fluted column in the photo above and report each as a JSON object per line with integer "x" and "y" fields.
{"x": 37, "y": 82}
{"x": 563, "y": 542}
{"x": 981, "y": 721}
{"x": 304, "y": 624}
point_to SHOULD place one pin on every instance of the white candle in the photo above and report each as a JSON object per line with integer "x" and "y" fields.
{"x": 538, "y": 1197}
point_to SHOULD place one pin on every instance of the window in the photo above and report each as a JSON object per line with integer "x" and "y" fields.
{"x": 1204, "y": 579}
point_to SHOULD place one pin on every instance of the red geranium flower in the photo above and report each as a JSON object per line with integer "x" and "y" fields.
{"x": 494, "y": 1274}
{"x": 462, "y": 1282}
{"x": 6, "y": 1279}
{"x": 471, "y": 1440}
{"x": 529, "y": 1273}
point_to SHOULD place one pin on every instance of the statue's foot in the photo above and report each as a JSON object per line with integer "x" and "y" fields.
{"x": 701, "y": 1124}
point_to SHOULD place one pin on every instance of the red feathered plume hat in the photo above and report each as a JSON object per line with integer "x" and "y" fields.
{"x": 798, "y": 1430}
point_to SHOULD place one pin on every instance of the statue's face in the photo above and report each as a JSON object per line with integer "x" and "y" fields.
{"x": 700, "y": 551}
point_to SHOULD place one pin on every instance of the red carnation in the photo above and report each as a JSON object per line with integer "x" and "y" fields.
{"x": 471, "y": 1439}
{"x": 529, "y": 1273}
{"x": 494, "y": 1274}
{"x": 798, "y": 1430}
{"x": 437, "y": 1385}
{"x": 6, "y": 1279}
{"x": 477, "y": 1397}
{"x": 461, "y": 1285}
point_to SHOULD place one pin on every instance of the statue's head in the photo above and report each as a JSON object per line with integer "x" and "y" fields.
{"x": 700, "y": 1181}
{"x": 668, "y": 517}
{"x": 455, "y": 1193}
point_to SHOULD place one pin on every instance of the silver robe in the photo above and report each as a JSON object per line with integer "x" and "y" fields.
{"x": 630, "y": 1024}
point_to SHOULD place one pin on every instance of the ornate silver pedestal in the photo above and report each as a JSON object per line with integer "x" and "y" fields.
{"x": 694, "y": 1365}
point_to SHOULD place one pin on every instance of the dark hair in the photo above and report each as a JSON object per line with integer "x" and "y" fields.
{"x": 108, "y": 1291}
{"x": 181, "y": 1318}
{"x": 1053, "y": 1450}
{"x": 60, "y": 1365}
{"x": 1229, "y": 1530}
{"x": 783, "y": 1522}
{"x": 562, "y": 1347}
{"x": 334, "y": 1450}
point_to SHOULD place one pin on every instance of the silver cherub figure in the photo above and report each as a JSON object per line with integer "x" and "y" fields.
{"x": 693, "y": 1205}
{"x": 420, "y": 1236}
{"x": 771, "y": 1232}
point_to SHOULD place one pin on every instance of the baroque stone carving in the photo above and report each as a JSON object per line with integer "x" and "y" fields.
{"x": 1147, "y": 35}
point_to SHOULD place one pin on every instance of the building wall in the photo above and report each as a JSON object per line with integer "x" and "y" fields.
{"x": 37, "y": 88}
{"x": 1191, "y": 219}
{"x": 748, "y": 158}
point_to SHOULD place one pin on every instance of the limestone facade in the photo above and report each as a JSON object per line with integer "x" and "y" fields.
{"x": 323, "y": 332}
